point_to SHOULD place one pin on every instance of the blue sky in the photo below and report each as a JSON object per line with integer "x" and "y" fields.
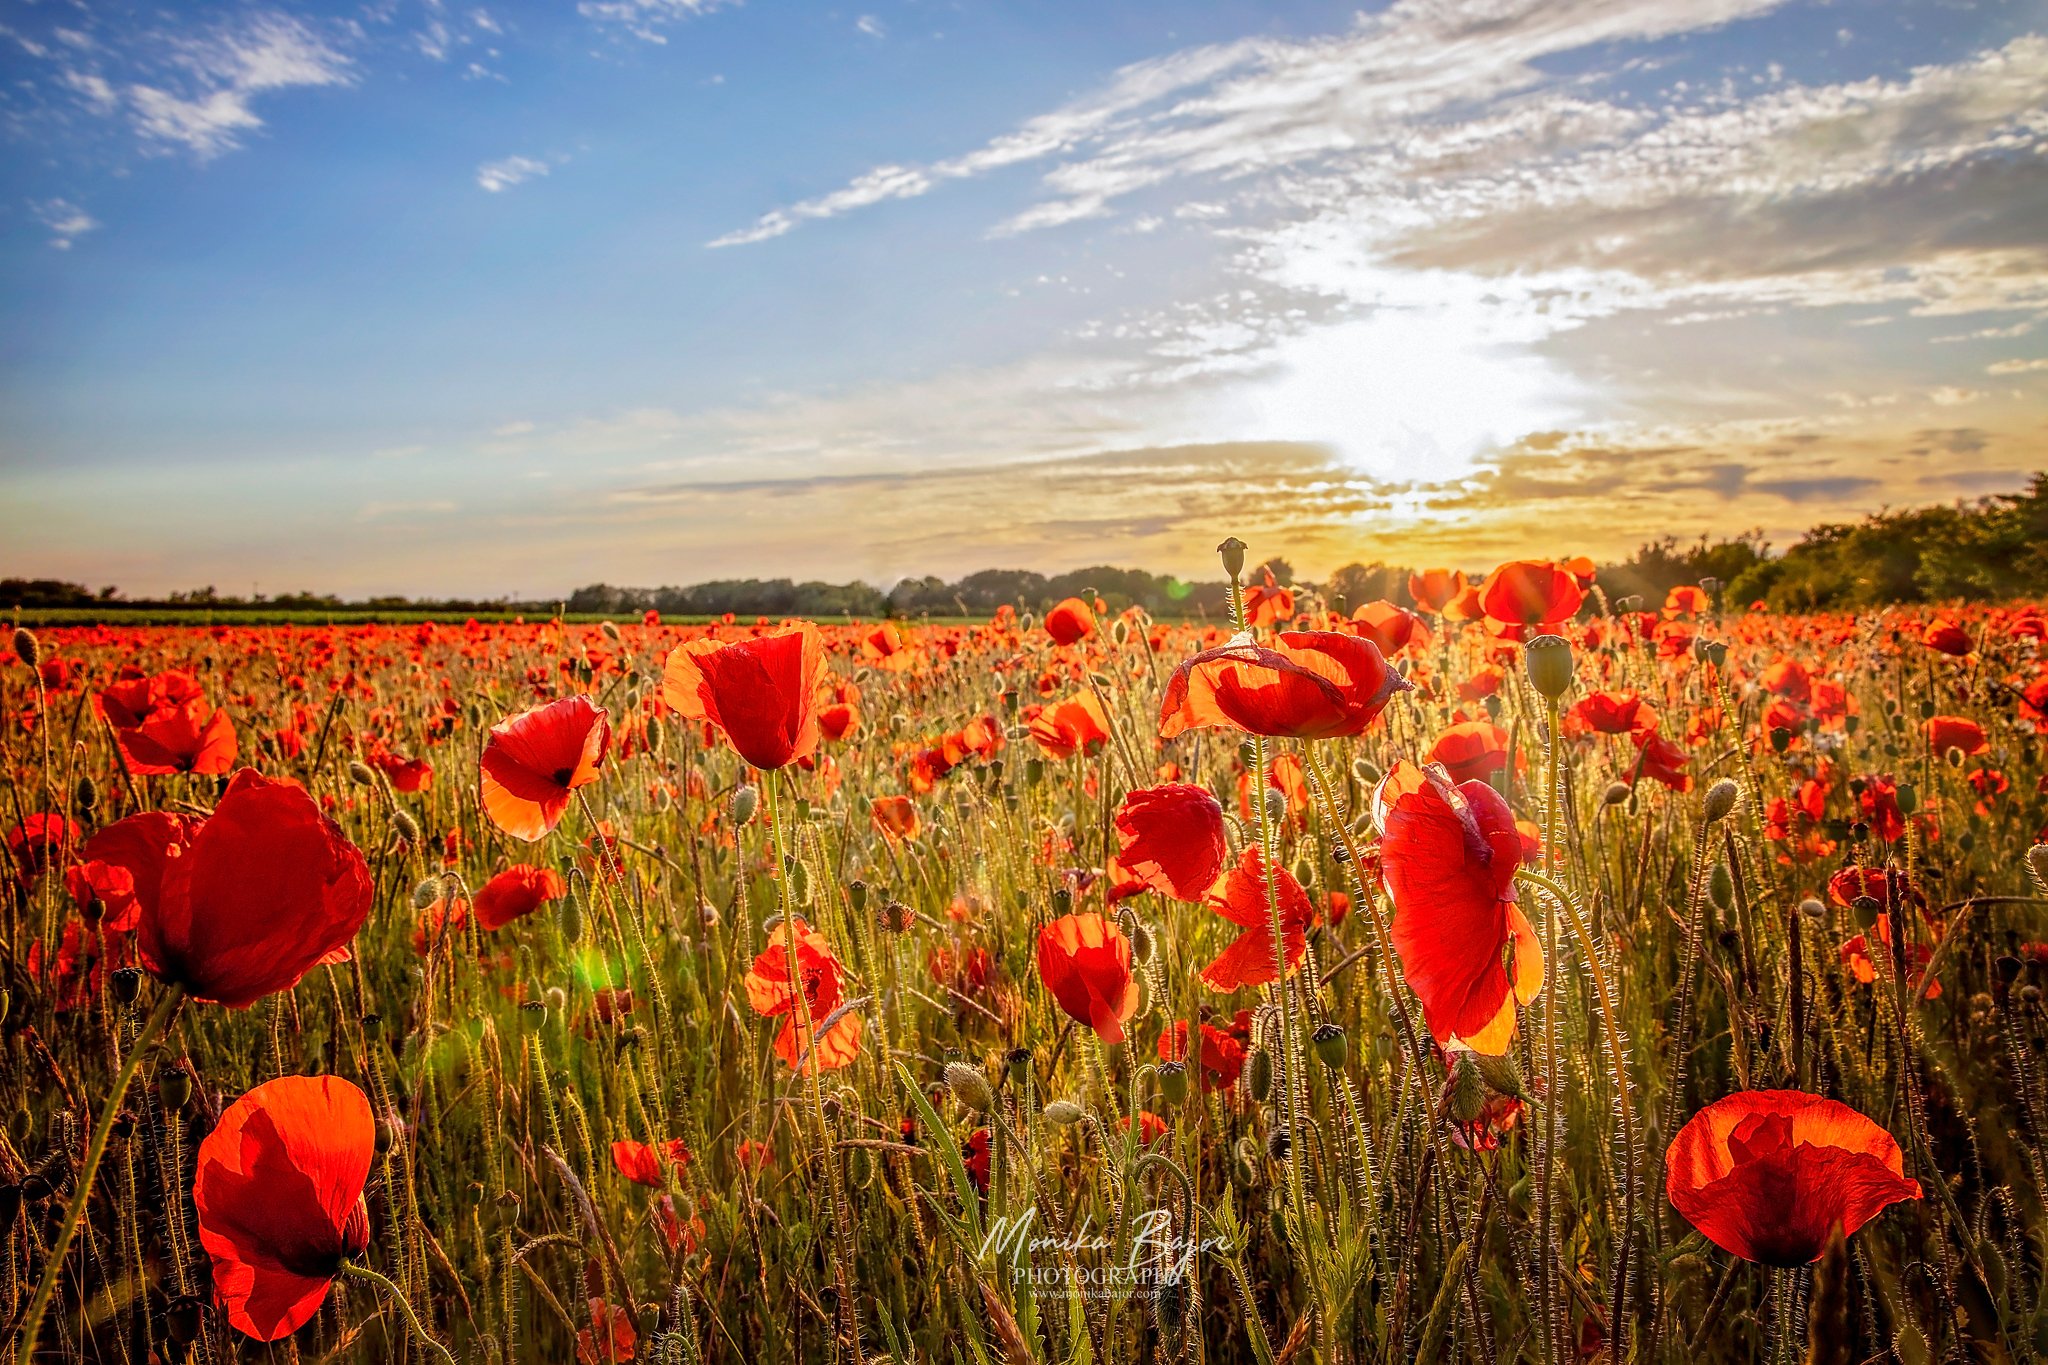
{"x": 495, "y": 298}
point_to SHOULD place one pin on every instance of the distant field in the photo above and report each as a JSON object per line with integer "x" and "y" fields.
{"x": 263, "y": 616}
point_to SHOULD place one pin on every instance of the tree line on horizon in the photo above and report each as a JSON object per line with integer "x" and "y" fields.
{"x": 1988, "y": 548}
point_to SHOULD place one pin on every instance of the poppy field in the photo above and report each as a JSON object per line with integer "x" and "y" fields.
{"x": 1503, "y": 974}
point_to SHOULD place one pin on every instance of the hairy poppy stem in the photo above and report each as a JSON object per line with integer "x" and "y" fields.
{"x": 1546, "y": 1212}
{"x": 95, "y": 1151}
{"x": 405, "y": 1308}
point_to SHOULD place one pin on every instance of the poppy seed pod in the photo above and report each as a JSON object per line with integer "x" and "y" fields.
{"x": 1063, "y": 1113}
{"x": 1866, "y": 909}
{"x": 970, "y": 1087}
{"x": 533, "y": 1016}
{"x": 1173, "y": 1081}
{"x": 1017, "y": 1062}
{"x": 127, "y": 985}
{"x": 1231, "y": 552}
{"x": 1720, "y": 800}
{"x": 1331, "y": 1045}
{"x": 174, "y": 1089}
{"x": 1549, "y": 661}
{"x": 857, "y": 895}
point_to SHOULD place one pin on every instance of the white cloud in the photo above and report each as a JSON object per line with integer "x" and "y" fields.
{"x": 66, "y": 221}
{"x": 205, "y": 107}
{"x": 644, "y": 19}
{"x": 495, "y": 177}
{"x": 2016, "y": 367}
{"x": 871, "y": 26}
{"x": 1950, "y": 396}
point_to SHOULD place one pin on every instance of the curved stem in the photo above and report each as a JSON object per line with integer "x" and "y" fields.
{"x": 405, "y": 1308}
{"x": 96, "y": 1150}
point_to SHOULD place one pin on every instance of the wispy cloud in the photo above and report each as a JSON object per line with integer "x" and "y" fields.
{"x": 66, "y": 221}
{"x": 208, "y": 104}
{"x": 495, "y": 177}
{"x": 646, "y": 19}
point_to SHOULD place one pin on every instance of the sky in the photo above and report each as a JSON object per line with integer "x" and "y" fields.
{"x": 453, "y": 298}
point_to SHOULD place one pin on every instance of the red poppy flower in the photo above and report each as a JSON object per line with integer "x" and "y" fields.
{"x": 1659, "y": 758}
{"x": 1151, "y": 1127}
{"x": 1241, "y": 899}
{"x": 1074, "y": 726}
{"x": 643, "y": 1163}
{"x": 1471, "y": 751}
{"x": 516, "y": 893}
{"x": 1309, "y": 684}
{"x": 35, "y": 843}
{"x": 1610, "y": 713}
{"x": 1948, "y": 638}
{"x": 609, "y": 1339}
{"x": 1531, "y": 592}
{"x": 1877, "y": 883}
{"x": 1768, "y": 1175}
{"x": 1955, "y": 732}
{"x": 1085, "y": 961}
{"x": 762, "y": 691}
{"x": 1686, "y": 600}
{"x": 1070, "y": 622}
{"x": 1267, "y": 603}
{"x": 279, "y": 1191}
{"x": 769, "y": 993}
{"x": 974, "y": 1155}
{"x": 1223, "y": 1050}
{"x": 895, "y": 816}
{"x": 268, "y": 889}
{"x": 1170, "y": 837}
{"x": 164, "y": 724}
{"x": 1448, "y": 855}
{"x": 1435, "y": 589}
{"x": 1389, "y": 627}
{"x": 534, "y": 760}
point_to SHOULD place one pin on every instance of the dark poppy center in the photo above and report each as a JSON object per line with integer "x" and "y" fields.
{"x": 562, "y": 776}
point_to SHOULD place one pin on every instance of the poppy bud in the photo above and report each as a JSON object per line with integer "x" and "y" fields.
{"x": 1170, "y": 1313}
{"x": 181, "y": 1321}
{"x": 127, "y": 982}
{"x": 611, "y": 632}
{"x": 1812, "y": 908}
{"x": 1993, "y": 1261}
{"x": 1331, "y": 1045}
{"x": 1276, "y": 805}
{"x": 1141, "y": 940}
{"x": 425, "y": 892}
{"x": 1063, "y": 1113}
{"x": 1866, "y": 910}
{"x": 407, "y": 827}
{"x": 1366, "y": 771}
{"x": 1616, "y": 793}
{"x": 1304, "y": 871}
{"x": 970, "y": 1087}
{"x": 1232, "y": 553}
{"x": 745, "y": 798}
{"x": 2037, "y": 866}
{"x": 86, "y": 795}
{"x": 1721, "y": 887}
{"x": 174, "y": 1088}
{"x": 1549, "y": 661}
{"x": 533, "y": 1015}
{"x": 360, "y": 774}
{"x": 1278, "y": 1143}
{"x": 1248, "y": 753}
{"x": 36, "y": 1188}
{"x": 1173, "y": 1081}
{"x": 1258, "y": 1075}
{"x": 1720, "y": 800}
{"x": 571, "y": 919}
{"x": 1468, "y": 1091}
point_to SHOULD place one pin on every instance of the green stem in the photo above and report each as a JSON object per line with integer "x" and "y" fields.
{"x": 95, "y": 1151}
{"x": 1546, "y": 1214}
{"x": 405, "y": 1309}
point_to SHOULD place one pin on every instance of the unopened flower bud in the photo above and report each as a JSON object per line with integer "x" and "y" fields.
{"x": 1616, "y": 793}
{"x": 2037, "y": 867}
{"x": 1721, "y": 887}
{"x": 1063, "y": 1113}
{"x": 1720, "y": 799}
{"x": 970, "y": 1087}
{"x": 745, "y": 799}
{"x": 26, "y": 646}
{"x": 360, "y": 774}
{"x": 1258, "y": 1075}
{"x": 1276, "y": 805}
{"x": 127, "y": 985}
{"x": 86, "y": 795}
